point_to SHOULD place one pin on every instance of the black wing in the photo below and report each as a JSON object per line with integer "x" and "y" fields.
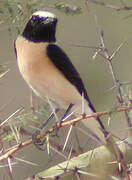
{"x": 63, "y": 63}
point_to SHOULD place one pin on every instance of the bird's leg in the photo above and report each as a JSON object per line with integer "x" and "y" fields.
{"x": 67, "y": 112}
{"x": 34, "y": 135}
{"x": 50, "y": 117}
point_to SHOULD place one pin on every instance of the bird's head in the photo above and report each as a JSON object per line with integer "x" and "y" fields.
{"x": 41, "y": 27}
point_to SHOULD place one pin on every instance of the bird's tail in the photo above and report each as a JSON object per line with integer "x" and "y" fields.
{"x": 95, "y": 126}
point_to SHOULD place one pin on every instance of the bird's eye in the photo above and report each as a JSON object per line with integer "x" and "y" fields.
{"x": 43, "y": 20}
{"x": 47, "y": 20}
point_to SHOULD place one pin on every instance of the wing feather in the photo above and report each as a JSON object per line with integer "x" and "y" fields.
{"x": 63, "y": 63}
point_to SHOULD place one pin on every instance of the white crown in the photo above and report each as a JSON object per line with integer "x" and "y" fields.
{"x": 44, "y": 14}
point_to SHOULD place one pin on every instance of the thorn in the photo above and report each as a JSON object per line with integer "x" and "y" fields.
{"x": 68, "y": 135}
{"x": 119, "y": 167}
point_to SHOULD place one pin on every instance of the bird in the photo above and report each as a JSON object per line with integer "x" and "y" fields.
{"x": 49, "y": 72}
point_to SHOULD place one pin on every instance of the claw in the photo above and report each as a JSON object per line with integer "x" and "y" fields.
{"x": 37, "y": 143}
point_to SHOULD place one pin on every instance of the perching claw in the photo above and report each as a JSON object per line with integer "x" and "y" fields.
{"x": 38, "y": 144}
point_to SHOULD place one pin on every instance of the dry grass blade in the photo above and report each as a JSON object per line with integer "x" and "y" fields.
{"x": 116, "y": 50}
{"x": 9, "y": 164}
{"x": 10, "y": 117}
{"x": 3, "y": 74}
{"x": 14, "y": 130}
{"x": 25, "y": 161}
{"x": 48, "y": 144}
{"x": 69, "y": 115}
{"x": 67, "y": 137}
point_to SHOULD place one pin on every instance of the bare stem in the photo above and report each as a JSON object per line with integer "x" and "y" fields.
{"x": 114, "y": 77}
{"x": 57, "y": 127}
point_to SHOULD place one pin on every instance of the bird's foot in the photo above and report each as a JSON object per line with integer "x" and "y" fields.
{"x": 38, "y": 142}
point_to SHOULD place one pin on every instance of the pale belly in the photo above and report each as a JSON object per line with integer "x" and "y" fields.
{"x": 51, "y": 84}
{"x": 43, "y": 77}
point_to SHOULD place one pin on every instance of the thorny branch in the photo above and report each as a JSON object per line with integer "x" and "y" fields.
{"x": 101, "y": 3}
{"x": 20, "y": 146}
{"x": 103, "y": 52}
{"x": 115, "y": 79}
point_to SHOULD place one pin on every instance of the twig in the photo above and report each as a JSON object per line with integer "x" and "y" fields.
{"x": 5, "y": 121}
{"x": 123, "y": 8}
{"x": 58, "y": 126}
{"x": 117, "y": 152}
{"x": 92, "y": 165}
{"x": 109, "y": 61}
{"x": 115, "y": 79}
